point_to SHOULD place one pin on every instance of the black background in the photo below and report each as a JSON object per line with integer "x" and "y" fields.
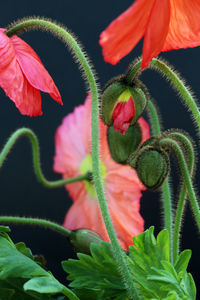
{"x": 21, "y": 194}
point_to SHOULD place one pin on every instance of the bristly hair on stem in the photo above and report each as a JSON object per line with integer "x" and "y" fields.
{"x": 85, "y": 67}
{"x": 17, "y": 27}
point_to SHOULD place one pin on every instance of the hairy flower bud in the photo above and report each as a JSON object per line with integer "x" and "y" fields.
{"x": 122, "y": 105}
{"x": 82, "y": 238}
{"x": 121, "y": 146}
{"x": 152, "y": 166}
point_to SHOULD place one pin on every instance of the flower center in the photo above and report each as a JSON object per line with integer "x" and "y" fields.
{"x": 86, "y": 166}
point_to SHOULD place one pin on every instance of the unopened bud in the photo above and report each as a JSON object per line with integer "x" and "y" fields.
{"x": 82, "y": 238}
{"x": 152, "y": 166}
{"x": 122, "y": 105}
{"x": 121, "y": 146}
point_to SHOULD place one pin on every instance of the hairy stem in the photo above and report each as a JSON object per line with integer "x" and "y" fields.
{"x": 169, "y": 74}
{"x": 75, "y": 47}
{"x": 36, "y": 159}
{"x": 35, "y": 222}
{"x": 174, "y": 146}
{"x": 183, "y": 193}
{"x": 166, "y": 192}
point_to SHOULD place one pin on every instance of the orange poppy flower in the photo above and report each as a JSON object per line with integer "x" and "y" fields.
{"x": 165, "y": 25}
{"x": 121, "y": 183}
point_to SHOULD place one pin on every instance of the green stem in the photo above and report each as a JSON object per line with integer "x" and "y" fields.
{"x": 173, "y": 145}
{"x": 174, "y": 78}
{"x": 166, "y": 193}
{"x": 71, "y": 41}
{"x": 36, "y": 159}
{"x": 182, "y": 195}
{"x": 35, "y": 222}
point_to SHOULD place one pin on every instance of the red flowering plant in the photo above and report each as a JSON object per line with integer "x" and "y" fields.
{"x": 107, "y": 158}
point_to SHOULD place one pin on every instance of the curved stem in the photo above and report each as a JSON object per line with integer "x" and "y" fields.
{"x": 166, "y": 71}
{"x": 35, "y": 222}
{"x": 173, "y": 145}
{"x": 166, "y": 193}
{"x": 182, "y": 195}
{"x": 36, "y": 159}
{"x": 71, "y": 41}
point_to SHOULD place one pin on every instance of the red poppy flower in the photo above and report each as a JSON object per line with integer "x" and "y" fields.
{"x": 22, "y": 75}
{"x": 121, "y": 183}
{"x": 165, "y": 25}
{"x": 123, "y": 114}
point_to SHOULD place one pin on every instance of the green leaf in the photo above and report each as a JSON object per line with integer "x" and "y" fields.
{"x": 183, "y": 260}
{"x": 21, "y": 247}
{"x": 97, "y": 276}
{"x": 4, "y": 228}
{"x": 96, "y": 273}
{"x": 155, "y": 276}
{"x": 21, "y": 274}
{"x": 85, "y": 294}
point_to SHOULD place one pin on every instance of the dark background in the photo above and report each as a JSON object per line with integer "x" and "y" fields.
{"x": 21, "y": 194}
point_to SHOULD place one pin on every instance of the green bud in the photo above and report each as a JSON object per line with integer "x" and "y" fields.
{"x": 122, "y": 145}
{"x": 152, "y": 166}
{"x": 82, "y": 238}
{"x": 117, "y": 92}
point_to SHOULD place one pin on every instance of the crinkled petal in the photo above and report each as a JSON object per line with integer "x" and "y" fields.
{"x": 184, "y": 27}
{"x": 122, "y": 115}
{"x": 156, "y": 31}
{"x": 33, "y": 69}
{"x": 26, "y": 98}
{"x": 124, "y": 202}
{"x": 85, "y": 214}
{"x": 72, "y": 144}
{"x": 125, "y": 216}
{"x": 145, "y": 129}
{"x": 122, "y": 185}
{"x": 121, "y": 36}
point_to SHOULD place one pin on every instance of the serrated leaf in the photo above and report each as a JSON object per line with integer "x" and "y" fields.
{"x": 98, "y": 271}
{"x": 155, "y": 276}
{"x": 87, "y": 294}
{"x": 148, "y": 260}
{"x": 21, "y": 247}
{"x": 182, "y": 261}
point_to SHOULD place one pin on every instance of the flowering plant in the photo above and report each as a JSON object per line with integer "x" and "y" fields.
{"x": 108, "y": 152}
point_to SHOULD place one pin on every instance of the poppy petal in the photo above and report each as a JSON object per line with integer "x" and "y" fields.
{"x": 184, "y": 27}
{"x": 86, "y": 214}
{"x": 124, "y": 33}
{"x": 156, "y": 31}
{"x": 33, "y": 69}
{"x": 122, "y": 185}
{"x": 26, "y": 98}
{"x": 125, "y": 216}
{"x": 145, "y": 129}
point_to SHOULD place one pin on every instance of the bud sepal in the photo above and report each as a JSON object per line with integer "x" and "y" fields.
{"x": 152, "y": 166}
{"x": 121, "y": 104}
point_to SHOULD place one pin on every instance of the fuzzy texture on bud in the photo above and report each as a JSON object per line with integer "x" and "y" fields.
{"x": 122, "y": 145}
{"x": 152, "y": 166}
{"x": 81, "y": 240}
{"x": 122, "y": 105}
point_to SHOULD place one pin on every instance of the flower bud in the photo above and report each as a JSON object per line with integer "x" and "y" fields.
{"x": 122, "y": 105}
{"x": 152, "y": 166}
{"x": 121, "y": 146}
{"x": 82, "y": 238}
